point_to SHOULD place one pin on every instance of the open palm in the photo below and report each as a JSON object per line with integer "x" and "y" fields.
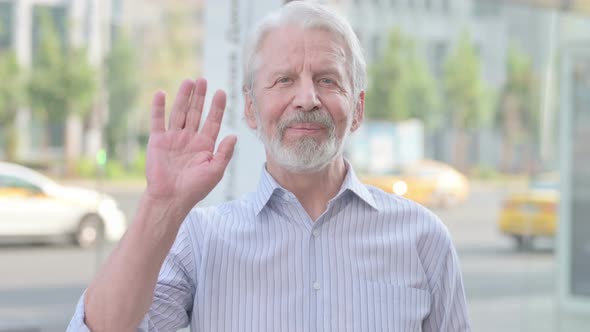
{"x": 182, "y": 164}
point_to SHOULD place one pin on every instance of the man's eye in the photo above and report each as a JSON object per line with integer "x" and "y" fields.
{"x": 284, "y": 80}
{"x": 327, "y": 81}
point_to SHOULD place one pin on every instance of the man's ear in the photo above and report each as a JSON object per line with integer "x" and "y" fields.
{"x": 359, "y": 112}
{"x": 250, "y": 110}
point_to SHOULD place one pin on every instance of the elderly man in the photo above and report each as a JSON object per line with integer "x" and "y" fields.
{"x": 312, "y": 249}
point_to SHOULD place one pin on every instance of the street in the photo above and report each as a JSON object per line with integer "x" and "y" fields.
{"x": 507, "y": 290}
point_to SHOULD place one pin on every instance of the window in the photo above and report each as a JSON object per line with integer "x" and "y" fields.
{"x": 486, "y": 8}
{"x": 57, "y": 16}
{"x": 438, "y": 53}
{"x": 446, "y": 6}
{"x": 13, "y": 182}
{"x": 6, "y": 22}
{"x": 375, "y": 46}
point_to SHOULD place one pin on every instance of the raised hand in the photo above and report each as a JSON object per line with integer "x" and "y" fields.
{"x": 182, "y": 166}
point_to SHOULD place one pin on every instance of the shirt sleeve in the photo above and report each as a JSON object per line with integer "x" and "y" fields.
{"x": 77, "y": 322}
{"x": 173, "y": 295}
{"x": 449, "y": 309}
{"x": 176, "y": 286}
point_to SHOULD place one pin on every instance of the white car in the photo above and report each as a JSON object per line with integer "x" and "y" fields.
{"x": 35, "y": 207}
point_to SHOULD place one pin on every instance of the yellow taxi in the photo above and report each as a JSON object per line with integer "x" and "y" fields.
{"x": 532, "y": 213}
{"x": 428, "y": 182}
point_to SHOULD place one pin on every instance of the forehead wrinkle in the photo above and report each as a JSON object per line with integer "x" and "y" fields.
{"x": 337, "y": 58}
{"x": 332, "y": 47}
{"x": 317, "y": 49}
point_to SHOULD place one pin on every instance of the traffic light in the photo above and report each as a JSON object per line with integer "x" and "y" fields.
{"x": 101, "y": 157}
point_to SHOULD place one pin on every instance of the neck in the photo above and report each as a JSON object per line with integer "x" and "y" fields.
{"x": 313, "y": 189}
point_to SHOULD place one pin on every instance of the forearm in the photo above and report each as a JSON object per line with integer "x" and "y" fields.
{"x": 122, "y": 292}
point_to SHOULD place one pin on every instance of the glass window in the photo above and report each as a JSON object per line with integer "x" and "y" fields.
{"x": 446, "y": 5}
{"x": 6, "y": 24}
{"x": 375, "y": 45}
{"x": 439, "y": 51}
{"x": 58, "y": 18}
{"x": 13, "y": 182}
{"x": 486, "y": 8}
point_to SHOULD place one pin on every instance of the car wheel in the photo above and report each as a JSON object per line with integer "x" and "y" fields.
{"x": 90, "y": 231}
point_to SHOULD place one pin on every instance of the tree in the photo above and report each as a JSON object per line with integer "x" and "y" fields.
{"x": 401, "y": 85}
{"x": 517, "y": 114}
{"x": 12, "y": 95}
{"x": 63, "y": 84}
{"x": 123, "y": 88}
{"x": 170, "y": 50}
{"x": 467, "y": 99}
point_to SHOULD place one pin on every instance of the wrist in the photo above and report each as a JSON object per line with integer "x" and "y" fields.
{"x": 162, "y": 214}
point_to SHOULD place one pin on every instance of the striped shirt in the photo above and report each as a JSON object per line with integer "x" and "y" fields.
{"x": 371, "y": 262}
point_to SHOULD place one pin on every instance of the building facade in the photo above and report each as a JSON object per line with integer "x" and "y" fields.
{"x": 80, "y": 23}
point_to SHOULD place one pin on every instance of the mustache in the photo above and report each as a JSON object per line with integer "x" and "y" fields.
{"x": 320, "y": 117}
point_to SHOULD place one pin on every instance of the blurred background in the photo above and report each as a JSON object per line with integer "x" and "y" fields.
{"x": 478, "y": 109}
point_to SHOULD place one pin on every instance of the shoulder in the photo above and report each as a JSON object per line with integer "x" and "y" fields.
{"x": 407, "y": 211}
{"x": 203, "y": 219}
{"x": 430, "y": 236}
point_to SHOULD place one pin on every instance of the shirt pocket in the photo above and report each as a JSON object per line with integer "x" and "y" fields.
{"x": 379, "y": 306}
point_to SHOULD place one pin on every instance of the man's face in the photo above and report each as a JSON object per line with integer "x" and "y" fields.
{"x": 303, "y": 107}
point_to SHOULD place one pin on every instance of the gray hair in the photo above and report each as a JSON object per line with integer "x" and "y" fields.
{"x": 305, "y": 15}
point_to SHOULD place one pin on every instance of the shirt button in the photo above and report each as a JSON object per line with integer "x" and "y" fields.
{"x": 316, "y": 232}
{"x": 316, "y": 285}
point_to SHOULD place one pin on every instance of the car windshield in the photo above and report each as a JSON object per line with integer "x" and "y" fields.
{"x": 544, "y": 186}
{"x": 35, "y": 179}
{"x": 545, "y": 181}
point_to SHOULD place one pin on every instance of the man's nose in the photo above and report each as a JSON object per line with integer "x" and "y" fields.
{"x": 306, "y": 96}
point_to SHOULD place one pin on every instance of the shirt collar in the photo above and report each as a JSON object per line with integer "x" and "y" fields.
{"x": 268, "y": 186}
{"x": 353, "y": 184}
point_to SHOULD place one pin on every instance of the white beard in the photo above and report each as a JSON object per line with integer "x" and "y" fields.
{"x": 306, "y": 154}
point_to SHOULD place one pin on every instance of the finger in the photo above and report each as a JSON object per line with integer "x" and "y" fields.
{"x": 193, "y": 117}
{"x": 178, "y": 115}
{"x": 213, "y": 122}
{"x": 158, "y": 112}
{"x": 225, "y": 151}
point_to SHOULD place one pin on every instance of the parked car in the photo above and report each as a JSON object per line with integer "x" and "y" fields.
{"x": 428, "y": 182}
{"x": 532, "y": 213}
{"x": 34, "y": 207}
